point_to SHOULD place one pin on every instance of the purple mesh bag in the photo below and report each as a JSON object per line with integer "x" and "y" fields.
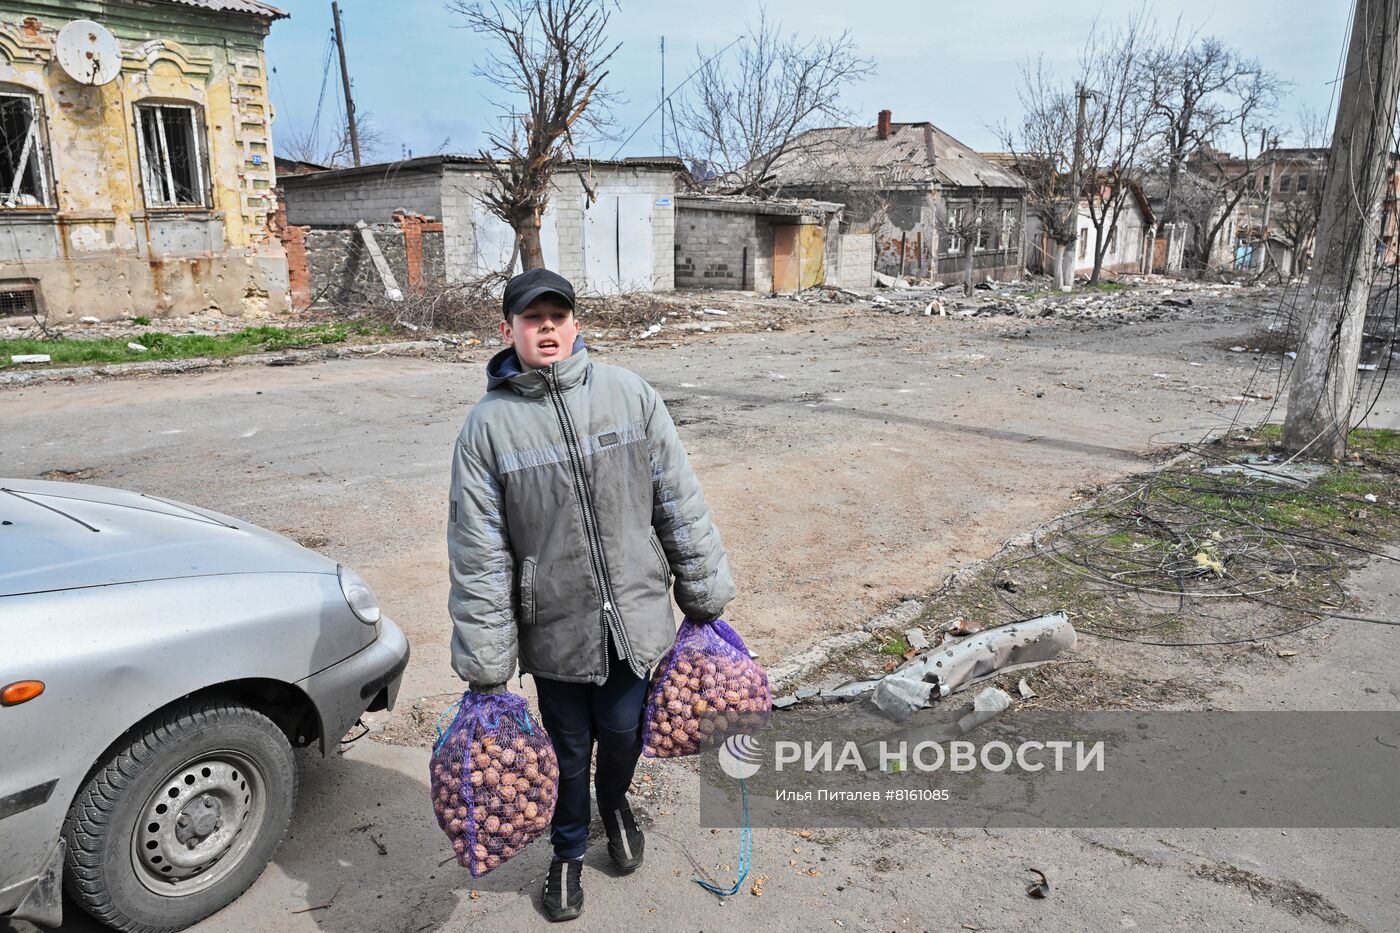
{"x": 494, "y": 780}
{"x": 705, "y": 688}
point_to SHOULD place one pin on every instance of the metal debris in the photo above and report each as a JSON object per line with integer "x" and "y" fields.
{"x": 949, "y": 668}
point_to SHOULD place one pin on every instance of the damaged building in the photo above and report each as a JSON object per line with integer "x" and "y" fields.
{"x": 914, "y": 188}
{"x": 766, "y": 244}
{"x": 609, "y": 226}
{"x": 137, "y": 176}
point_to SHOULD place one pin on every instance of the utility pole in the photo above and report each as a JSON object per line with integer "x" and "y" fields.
{"x": 1322, "y": 385}
{"x": 1067, "y": 255}
{"x": 663, "y": 95}
{"x": 345, "y": 79}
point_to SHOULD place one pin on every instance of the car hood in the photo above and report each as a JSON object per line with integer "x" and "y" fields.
{"x": 59, "y": 536}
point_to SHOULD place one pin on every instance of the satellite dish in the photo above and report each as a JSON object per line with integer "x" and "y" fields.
{"x": 88, "y": 52}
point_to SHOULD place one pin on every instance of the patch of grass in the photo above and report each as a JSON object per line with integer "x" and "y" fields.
{"x": 141, "y": 320}
{"x": 1379, "y": 441}
{"x": 1109, "y": 286}
{"x": 896, "y": 646}
{"x": 163, "y": 346}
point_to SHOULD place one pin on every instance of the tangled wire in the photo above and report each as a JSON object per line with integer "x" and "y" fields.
{"x": 1194, "y": 540}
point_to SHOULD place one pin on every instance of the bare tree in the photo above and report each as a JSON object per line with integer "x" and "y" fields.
{"x": 335, "y": 152}
{"x": 1207, "y": 95}
{"x": 549, "y": 55}
{"x": 741, "y": 119}
{"x": 1297, "y": 216}
{"x": 1042, "y": 147}
{"x": 1117, "y": 125}
{"x": 971, "y": 226}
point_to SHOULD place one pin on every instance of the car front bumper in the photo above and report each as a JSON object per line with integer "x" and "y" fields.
{"x": 343, "y": 691}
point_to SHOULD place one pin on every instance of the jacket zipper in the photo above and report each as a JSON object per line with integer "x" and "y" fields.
{"x": 611, "y": 621}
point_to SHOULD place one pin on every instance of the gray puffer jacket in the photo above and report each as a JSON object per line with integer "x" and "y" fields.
{"x": 572, "y": 506}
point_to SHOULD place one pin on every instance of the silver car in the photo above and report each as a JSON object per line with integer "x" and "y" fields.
{"x": 159, "y": 663}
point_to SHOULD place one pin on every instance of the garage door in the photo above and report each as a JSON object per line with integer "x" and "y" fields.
{"x": 495, "y": 240}
{"x": 617, "y": 243}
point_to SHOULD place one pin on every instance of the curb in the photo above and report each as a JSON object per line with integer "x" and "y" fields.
{"x": 789, "y": 671}
{"x": 198, "y": 363}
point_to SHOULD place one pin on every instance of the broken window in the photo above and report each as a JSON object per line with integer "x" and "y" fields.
{"x": 1083, "y": 242}
{"x": 1007, "y": 220}
{"x": 1302, "y": 184}
{"x": 1285, "y": 183}
{"x": 23, "y": 182}
{"x": 984, "y": 233}
{"x": 955, "y": 222}
{"x": 172, "y": 155}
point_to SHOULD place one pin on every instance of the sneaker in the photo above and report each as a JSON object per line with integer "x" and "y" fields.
{"x": 625, "y": 839}
{"x": 563, "y": 894}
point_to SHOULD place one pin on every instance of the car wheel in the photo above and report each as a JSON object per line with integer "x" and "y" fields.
{"x": 182, "y": 819}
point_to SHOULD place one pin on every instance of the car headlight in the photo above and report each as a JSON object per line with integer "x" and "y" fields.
{"x": 358, "y": 595}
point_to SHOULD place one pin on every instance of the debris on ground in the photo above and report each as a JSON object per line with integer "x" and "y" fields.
{"x": 953, "y": 667}
{"x": 1040, "y": 888}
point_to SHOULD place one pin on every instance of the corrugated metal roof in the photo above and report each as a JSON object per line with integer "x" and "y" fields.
{"x": 912, "y": 154}
{"x": 252, "y": 7}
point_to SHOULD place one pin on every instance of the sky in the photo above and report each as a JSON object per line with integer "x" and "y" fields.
{"x": 953, "y": 62}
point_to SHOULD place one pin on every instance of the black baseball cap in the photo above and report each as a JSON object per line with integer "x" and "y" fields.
{"x": 527, "y": 286}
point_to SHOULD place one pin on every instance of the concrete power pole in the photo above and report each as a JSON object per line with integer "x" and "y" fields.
{"x": 1067, "y": 252}
{"x": 1322, "y": 385}
{"x": 345, "y": 80}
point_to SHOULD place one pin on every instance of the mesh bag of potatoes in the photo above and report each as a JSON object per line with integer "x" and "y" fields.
{"x": 707, "y": 687}
{"x": 494, "y": 780}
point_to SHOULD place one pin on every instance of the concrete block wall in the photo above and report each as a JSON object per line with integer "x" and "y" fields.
{"x": 710, "y": 249}
{"x": 608, "y": 182}
{"x": 345, "y": 200}
{"x": 856, "y": 260}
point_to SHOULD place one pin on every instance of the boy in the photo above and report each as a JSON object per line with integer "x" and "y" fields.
{"x": 572, "y": 505}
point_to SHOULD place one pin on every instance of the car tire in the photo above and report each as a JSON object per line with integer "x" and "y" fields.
{"x": 181, "y": 818}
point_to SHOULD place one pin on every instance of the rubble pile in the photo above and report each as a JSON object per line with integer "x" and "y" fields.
{"x": 1147, "y": 298}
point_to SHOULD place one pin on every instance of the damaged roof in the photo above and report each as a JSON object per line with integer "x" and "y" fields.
{"x": 912, "y": 154}
{"x": 251, "y": 7}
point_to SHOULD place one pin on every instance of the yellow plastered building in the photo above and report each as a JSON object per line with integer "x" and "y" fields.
{"x": 144, "y": 185}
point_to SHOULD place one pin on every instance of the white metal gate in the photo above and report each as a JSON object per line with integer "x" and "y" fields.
{"x": 618, "y": 251}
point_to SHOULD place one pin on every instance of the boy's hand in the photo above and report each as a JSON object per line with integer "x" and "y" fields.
{"x": 488, "y": 689}
{"x": 701, "y": 621}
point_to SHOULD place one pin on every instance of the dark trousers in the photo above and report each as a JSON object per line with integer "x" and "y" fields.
{"x": 576, "y": 716}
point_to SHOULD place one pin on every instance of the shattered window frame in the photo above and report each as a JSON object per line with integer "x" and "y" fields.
{"x": 24, "y": 174}
{"x": 1006, "y": 222}
{"x": 955, "y": 219}
{"x": 174, "y": 163}
{"x": 983, "y": 238}
{"x": 1303, "y": 183}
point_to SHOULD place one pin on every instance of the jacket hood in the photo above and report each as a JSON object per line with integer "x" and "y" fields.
{"x": 505, "y": 369}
